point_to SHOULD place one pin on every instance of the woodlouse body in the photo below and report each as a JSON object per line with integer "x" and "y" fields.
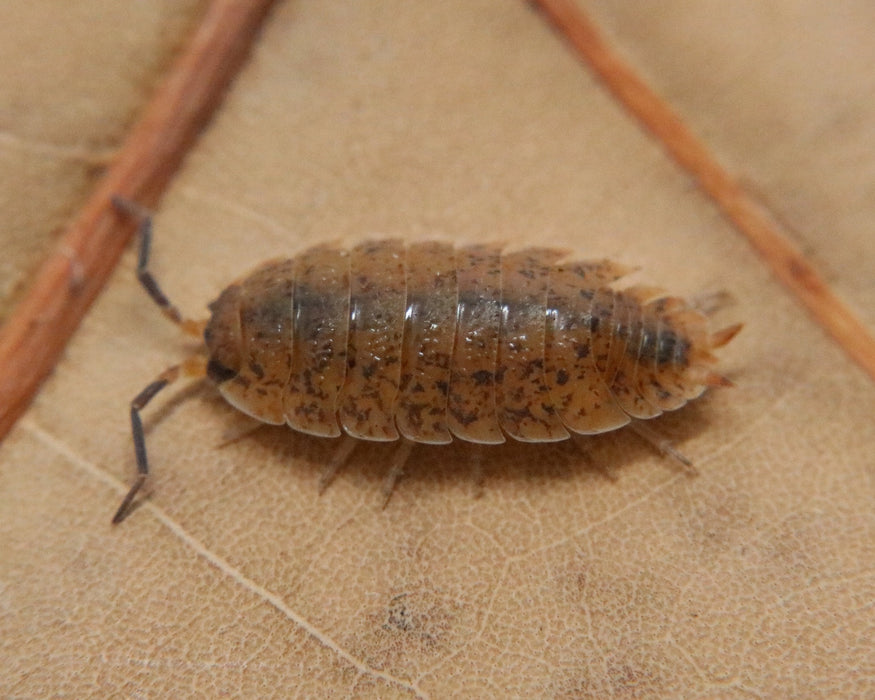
{"x": 429, "y": 342}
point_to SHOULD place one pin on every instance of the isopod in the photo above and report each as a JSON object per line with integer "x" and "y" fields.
{"x": 426, "y": 342}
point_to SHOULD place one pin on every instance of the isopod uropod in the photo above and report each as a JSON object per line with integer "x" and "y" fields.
{"x": 426, "y": 342}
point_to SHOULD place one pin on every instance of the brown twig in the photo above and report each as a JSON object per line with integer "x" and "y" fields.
{"x": 71, "y": 277}
{"x": 752, "y": 219}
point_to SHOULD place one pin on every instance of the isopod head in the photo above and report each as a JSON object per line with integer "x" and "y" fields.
{"x": 249, "y": 341}
{"x": 222, "y": 336}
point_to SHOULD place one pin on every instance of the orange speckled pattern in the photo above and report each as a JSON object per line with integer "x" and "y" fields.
{"x": 429, "y": 342}
{"x": 471, "y": 410}
{"x": 321, "y": 331}
{"x": 577, "y": 387}
{"x": 429, "y": 336}
{"x": 525, "y": 410}
{"x": 377, "y": 295}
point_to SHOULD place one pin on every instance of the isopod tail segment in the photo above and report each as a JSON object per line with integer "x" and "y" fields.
{"x": 706, "y": 305}
{"x": 195, "y": 366}
{"x": 717, "y": 340}
{"x": 709, "y": 304}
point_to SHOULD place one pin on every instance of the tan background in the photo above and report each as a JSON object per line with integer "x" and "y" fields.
{"x": 461, "y": 121}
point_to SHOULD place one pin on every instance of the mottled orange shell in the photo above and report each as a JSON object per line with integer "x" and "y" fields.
{"x": 429, "y": 342}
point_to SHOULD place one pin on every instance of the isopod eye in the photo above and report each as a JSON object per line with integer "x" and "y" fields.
{"x": 665, "y": 346}
{"x": 222, "y": 336}
{"x": 218, "y": 372}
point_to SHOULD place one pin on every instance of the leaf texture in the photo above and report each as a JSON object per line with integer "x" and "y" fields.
{"x": 588, "y": 570}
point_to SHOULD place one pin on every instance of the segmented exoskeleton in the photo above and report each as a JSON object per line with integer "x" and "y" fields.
{"x": 426, "y": 342}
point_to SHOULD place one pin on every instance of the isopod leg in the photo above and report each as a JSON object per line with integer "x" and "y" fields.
{"x": 138, "y": 404}
{"x": 243, "y": 425}
{"x": 396, "y": 470}
{"x": 478, "y": 474}
{"x": 663, "y": 445}
{"x": 582, "y": 446}
{"x": 144, "y": 217}
{"x": 338, "y": 459}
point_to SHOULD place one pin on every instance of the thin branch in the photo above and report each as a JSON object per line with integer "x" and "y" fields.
{"x": 763, "y": 231}
{"x": 73, "y": 275}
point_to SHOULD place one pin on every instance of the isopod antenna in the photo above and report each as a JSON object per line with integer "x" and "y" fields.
{"x": 144, "y": 233}
{"x": 194, "y": 366}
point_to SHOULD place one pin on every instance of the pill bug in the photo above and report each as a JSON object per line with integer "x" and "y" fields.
{"x": 427, "y": 342}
